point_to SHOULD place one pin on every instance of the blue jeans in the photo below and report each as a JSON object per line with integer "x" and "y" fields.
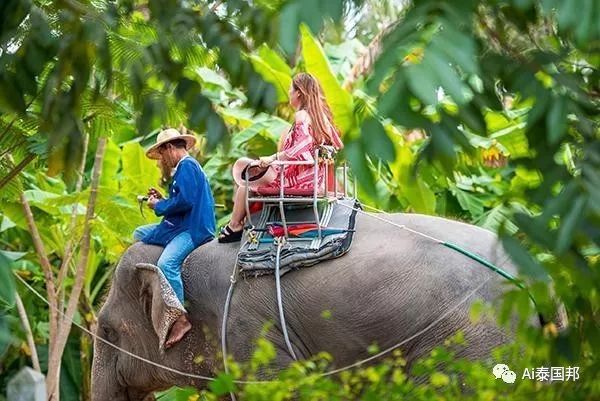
{"x": 172, "y": 257}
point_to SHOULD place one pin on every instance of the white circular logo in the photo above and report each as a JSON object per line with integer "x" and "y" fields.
{"x": 503, "y": 371}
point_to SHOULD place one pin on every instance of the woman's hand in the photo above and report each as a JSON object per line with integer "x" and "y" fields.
{"x": 265, "y": 161}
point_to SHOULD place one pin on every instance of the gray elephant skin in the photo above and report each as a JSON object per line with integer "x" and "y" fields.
{"x": 391, "y": 285}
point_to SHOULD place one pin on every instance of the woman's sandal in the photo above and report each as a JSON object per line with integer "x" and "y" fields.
{"x": 227, "y": 235}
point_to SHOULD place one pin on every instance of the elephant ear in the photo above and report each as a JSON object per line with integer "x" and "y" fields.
{"x": 165, "y": 306}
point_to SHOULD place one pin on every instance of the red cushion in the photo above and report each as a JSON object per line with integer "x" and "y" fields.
{"x": 274, "y": 191}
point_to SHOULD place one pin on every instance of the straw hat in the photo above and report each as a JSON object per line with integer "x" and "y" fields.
{"x": 257, "y": 176}
{"x": 168, "y": 135}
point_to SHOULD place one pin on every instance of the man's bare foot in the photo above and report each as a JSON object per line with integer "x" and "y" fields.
{"x": 181, "y": 326}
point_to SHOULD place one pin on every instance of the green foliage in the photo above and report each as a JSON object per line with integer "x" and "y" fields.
{"x": 7, "y": 292}
{"x": 274, "y": 70}
{"x": 316, "y": 64}
{"x": 485, "y": 111}
{"x": 439, "y": 375}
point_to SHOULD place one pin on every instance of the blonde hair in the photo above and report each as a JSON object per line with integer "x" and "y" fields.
{"x": 313, "y": 102}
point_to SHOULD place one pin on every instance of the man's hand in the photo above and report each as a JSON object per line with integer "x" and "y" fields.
{"x": 152, "y": 201}
{"x": 154, "y": 192}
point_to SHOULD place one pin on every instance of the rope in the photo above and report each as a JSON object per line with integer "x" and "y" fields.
{"x": 417, "y": 334}
{"x": 450, "y": 245}
{"x": 232, "y": 281}
{"x": 226, "y": 311}
{"x": 401, "y": 226}
{"x": 484, "y": 262}
{"x": 126, "y": 352}
{"x": 280, "y": 242}
{"x": 208, "y": 378}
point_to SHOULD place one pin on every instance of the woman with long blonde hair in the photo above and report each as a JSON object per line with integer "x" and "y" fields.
{"x": 313, "y": 126}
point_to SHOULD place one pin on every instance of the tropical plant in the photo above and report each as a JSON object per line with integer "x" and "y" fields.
{"x": 485, "y": 111}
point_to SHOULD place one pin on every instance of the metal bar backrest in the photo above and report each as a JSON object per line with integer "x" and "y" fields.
{"x": 323, "y": 157}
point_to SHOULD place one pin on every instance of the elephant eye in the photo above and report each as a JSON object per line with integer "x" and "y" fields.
{"x": 108, "y": 333}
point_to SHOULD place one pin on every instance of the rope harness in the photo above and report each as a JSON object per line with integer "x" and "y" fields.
{"x": 280, "y": 241}
{"x": 233, "y": 280}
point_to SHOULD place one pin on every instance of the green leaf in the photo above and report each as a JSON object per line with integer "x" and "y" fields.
{"x": 356, "y": 156}
{"x": 11, "y": 96}
{"x": 476, "y": 311}
{"x": 439, "y": 379}
{"x": 141, "y": 173}
{"x": 585, "y": 25}
{"x": 469, "y": 202}
{"x": 556, "y": 119}
{"x": 422, "y": 82}
{"x": 215, "y": 130}
{"x": 525, "y": 262}
{"x": 273, "y": 128}
{"x": 376, "y": 141}
{"x": 458, "y": 47}
{"x": 446, "y": 76}
{"x": 7, "y": 289}
{"x": 210, "y": 76}
{"x": 288, "y": 26}
{"x": 514, "y": 139}
{"x": 420, "y": 197}
{"x": 441, "y": 147}
{"x": 280, "y": 80}
{"x": 110, "y": 166}
{"x": 6, "y": 223}
{"x": 495, "y": 218}
{"x": 274, "y": 59}
{"x": 338, "y": 99}
{"x": 568, "y": 14}
{"x": 178, "y": 394}
{"x": 569, "y": 224}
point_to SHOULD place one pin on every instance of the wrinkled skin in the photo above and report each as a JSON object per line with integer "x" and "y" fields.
{"x": 391, "y": 285}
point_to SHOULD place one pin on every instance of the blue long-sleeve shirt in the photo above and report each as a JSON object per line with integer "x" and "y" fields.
{"x": 190, "y": 206}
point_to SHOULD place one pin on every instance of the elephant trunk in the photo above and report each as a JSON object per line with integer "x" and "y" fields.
{"x": 107, "y": 389}
{"x": 105, "y": 384}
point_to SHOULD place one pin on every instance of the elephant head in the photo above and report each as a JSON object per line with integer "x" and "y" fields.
{"x": 136, "y": 318}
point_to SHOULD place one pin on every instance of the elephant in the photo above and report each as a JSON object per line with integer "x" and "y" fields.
{"x": 392, "y": 284}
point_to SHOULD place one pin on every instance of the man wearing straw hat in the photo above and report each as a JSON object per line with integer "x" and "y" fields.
{"x": 188, "y": 218}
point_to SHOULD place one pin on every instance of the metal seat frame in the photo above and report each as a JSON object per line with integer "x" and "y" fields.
{"x": 323, "y": 156}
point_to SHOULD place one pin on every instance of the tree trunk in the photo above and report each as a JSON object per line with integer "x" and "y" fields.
{"x": 67, "y": 318}
{"x": 51, "y": 377}
{"x": 61, "y": 320}
{"x": 35, "y": 361}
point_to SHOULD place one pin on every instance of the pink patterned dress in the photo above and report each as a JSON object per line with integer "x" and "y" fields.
{"x": 299, "y": 145}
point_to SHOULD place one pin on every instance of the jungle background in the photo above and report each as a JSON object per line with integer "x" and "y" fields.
{"x": 482, "y": 111}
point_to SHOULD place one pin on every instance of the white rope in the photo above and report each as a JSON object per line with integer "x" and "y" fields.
{"x": 232, "y": 281}
{"x": 135, "y": 356}
{"x": 328, "y": 373}
{"x": 280, "y": 241}
{"x": 401, "y": 226}
{"x": 417, "y": 334}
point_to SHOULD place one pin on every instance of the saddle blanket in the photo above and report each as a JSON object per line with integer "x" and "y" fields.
{"x": 303, "y": 248}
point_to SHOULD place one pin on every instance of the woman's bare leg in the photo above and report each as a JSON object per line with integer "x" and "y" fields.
{"x": 239, "y": 209}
